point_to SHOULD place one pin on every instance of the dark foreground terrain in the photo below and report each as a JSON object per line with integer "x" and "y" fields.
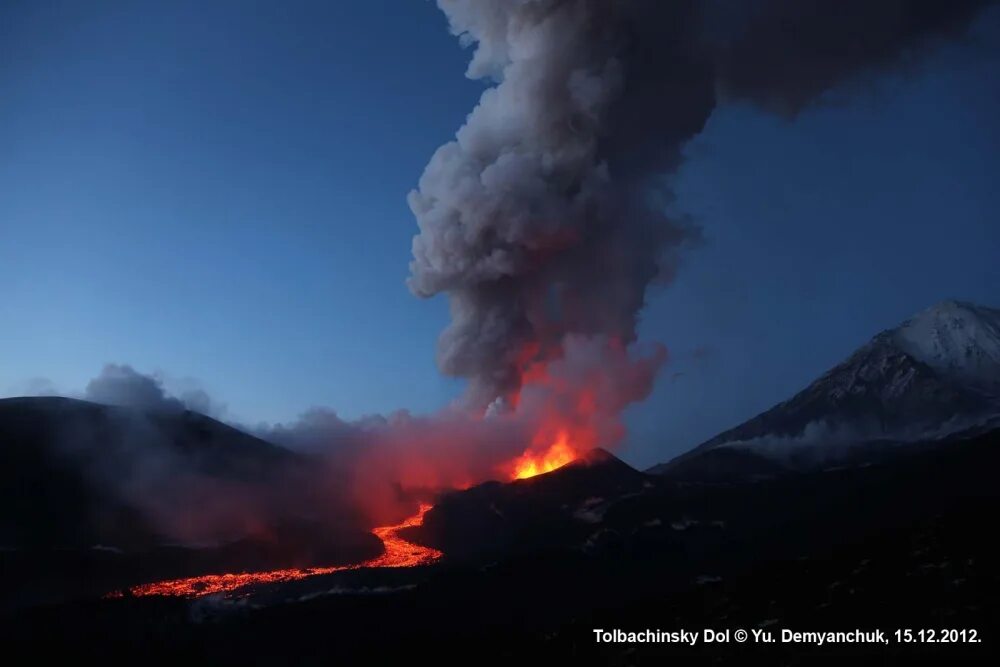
{"x": 532, "y": 567}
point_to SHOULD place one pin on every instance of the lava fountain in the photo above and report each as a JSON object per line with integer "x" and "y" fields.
{"x": 530, "y": 464}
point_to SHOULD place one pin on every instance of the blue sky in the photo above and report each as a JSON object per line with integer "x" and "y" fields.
{"x": 217, "y": 191}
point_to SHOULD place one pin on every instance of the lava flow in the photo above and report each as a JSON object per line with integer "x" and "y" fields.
{"x": 398, "y": 553}
{"x": 553, "y": 447}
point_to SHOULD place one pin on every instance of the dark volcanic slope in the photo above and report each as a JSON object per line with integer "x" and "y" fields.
{"x": 95, "y": 497}
{"x": 529, "y": 514}
{"x": 903, "y": 543}
{"x": 64, "y": 461}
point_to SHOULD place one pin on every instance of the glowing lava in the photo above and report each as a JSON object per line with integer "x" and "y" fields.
{"x": 558, "y": 454}
{"x": 398, "y": 553}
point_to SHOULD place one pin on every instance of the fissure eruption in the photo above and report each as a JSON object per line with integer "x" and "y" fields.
{"x": 545, "y": 223}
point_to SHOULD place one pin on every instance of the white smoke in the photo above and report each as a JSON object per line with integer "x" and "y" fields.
{"x": 120, "y": 384}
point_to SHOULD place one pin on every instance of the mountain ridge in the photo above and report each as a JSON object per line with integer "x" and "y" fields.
{"x": 96, "y": 464}
{"x": 935, "y": 374}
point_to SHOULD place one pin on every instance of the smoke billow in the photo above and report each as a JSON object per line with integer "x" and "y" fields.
{"x": 544, "y": 218}
{"x": 147, "y": 453}
{"x": 120, "y": 384}
{"x": 386, "y": 462}
{"x": 544, "y": 222}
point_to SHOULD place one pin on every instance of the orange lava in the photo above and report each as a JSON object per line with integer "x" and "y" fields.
{"x": 558, "y": 454}
{"x": 398, "y": 553}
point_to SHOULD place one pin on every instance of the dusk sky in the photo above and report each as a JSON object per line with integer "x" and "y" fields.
{"x": 217, "y": 192}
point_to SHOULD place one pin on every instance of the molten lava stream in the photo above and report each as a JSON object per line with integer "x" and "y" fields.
{"x": 398, "y": 553}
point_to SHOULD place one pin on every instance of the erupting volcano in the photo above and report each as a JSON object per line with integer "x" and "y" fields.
{"x": 573, "y": 403}
{"x": 398, "y": 552}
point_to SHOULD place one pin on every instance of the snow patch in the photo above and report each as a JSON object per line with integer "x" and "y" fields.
{"x": 590, "y": 510}
{"x": 684, "y": 524}
{"x": 957, "y": 339}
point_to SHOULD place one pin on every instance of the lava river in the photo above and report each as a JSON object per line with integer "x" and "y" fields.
{"x": 552, "y": 449}
{"x": 398, "y": 553}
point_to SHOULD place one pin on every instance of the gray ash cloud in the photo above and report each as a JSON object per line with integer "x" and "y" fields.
{"x": 546, "y": 215}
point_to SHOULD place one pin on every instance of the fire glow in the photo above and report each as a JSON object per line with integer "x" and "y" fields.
{"x": 565, "y": 420}
{"x": 571, "y": 403}
{"x": 556, "y": 456}
{"x": 398, "y": 552}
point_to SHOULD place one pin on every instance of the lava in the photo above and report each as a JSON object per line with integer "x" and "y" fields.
{"x": 568, "y": 424}
{"x": 398, "y": 552}
{"x": 572, "y": 398}
{"x": 558, "y": 454}
{"x": 207, "y": 584}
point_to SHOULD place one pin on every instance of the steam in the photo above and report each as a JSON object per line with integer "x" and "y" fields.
{"x": 120, "y": 384}
{"x": 182, "y": 474}
{"x": 544, "y": 218}
{"x": 389, "y": 462}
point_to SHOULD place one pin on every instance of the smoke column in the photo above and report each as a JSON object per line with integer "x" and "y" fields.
{"x": 543, "y": 220}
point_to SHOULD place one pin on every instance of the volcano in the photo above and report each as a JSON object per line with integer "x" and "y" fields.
{"x": 935, "y": 375}
{"x": 592, "y": 542}
{"x": 458, "y": 524}
{"x": 529, "y": 514}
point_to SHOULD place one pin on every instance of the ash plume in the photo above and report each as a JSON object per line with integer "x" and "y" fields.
{"x": 545, "y": 216}
{"x": 544, "y": 223}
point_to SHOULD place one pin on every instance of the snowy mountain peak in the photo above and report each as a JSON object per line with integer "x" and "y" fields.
{"x": 935, "y": 374}
{"x": 957, "y": 339}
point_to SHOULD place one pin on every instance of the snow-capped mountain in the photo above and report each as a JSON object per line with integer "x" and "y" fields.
{"x": 935, "y": 374}
{"x": 958, "y": 340}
